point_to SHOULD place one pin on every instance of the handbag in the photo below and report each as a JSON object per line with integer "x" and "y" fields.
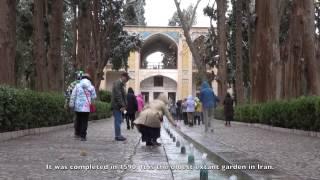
{"x": 93, "y": 108}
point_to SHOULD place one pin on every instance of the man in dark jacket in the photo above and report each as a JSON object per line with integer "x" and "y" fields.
{"x": 209, "y": 103}
{"x": 119, "y": 104}
{"x": 132, "y": 108}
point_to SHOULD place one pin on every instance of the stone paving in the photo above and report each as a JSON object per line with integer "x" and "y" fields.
{"x": 292, "y": 156}
{"x": 40, "y": 156}
{"x": 30, "y": 157}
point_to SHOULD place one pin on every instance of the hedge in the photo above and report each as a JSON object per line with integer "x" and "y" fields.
{"x": 105, "y": 96}
{"x": 301, "y": 113}
{"x": 25, "y": 109}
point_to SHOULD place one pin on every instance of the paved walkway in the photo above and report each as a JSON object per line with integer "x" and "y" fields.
{"x": 30, "y": 157}
{"x": 295, "y": 155}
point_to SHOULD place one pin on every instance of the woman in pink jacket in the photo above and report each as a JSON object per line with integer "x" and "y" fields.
{"x": 140, "y": 103}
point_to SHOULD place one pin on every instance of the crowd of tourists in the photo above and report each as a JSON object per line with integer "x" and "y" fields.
{"x": 146, "y": 117}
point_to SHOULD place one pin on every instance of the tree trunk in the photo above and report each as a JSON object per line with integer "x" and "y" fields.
{"x": 222, "y": 68}
{"x": 84, "y": 36}
{"x": 55, "y": 64}
{"x": 7, "y": 41}
{"x": 239, "y": 62}
{"x": 277, "y": 8}
{"x": 266, "y": 52}
{"x": 193, "y": 49}
{"x": 293, "y": 71}
{"x": 312, "y": 64}
{"x": 301, "y": 68}
{"x": 39, "y": 51}
{"x": 75, "y": 33}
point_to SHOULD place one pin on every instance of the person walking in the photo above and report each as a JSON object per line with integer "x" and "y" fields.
{"x": 173, "y": 110}
{"x": 132, "y": 108}
{"x": 80, "y": 101}
{"x": 209, "y": 102}
{"x": 184, "y": 111}
{"x": 140, "y": 102}
{"x": 198, "y": 111}
{"x": 67, "y": 96}
{"x": 119, "y": 104}
{"x": 190, "y": 109}
{"x": 228, "y": 109}
{"x": 149, "y": 121}
{"x": 179, "y": 110}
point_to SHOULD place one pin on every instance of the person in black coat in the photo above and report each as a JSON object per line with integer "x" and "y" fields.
{"x": 132, "y": 108}
{"x": 179, "y": 111}
{"x": 228, "y": 109}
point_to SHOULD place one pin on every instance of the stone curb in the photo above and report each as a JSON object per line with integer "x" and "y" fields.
{"x": 36, "y": 131}
{"x": 279, "y": 129}
{"x": 217, "y": 158}
{"x": 222, "y": 159}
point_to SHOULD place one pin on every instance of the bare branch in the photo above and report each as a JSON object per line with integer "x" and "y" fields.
{"x": 194, "y": 13}
{"x": 193, "y": 49}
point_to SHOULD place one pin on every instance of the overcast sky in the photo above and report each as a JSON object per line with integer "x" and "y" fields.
{"x": 158, "y": 12}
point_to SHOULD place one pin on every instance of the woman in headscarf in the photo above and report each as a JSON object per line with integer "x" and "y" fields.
{"x": 140, "y": 102}
{"x": 80, "y": 101}
{"x": 150, "y": 118}
{"x": 132, "y": 108}
{"x": 190, "y": 109}
{"x": 228, "y": 109}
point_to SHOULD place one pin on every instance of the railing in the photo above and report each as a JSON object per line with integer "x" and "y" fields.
{"x": 157, "y": 65}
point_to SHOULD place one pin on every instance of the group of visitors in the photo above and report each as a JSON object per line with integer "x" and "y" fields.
{"x": 200, "y": 109}
{"x": 147, "y": 118}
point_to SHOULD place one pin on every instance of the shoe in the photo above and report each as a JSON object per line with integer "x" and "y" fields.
{"x": 128, "y": 128}
{"x": 76, "y": 137}
{"x": 83, "y": 139}
{"x": 149, "y": 144}
{"x": 155, "y": 143}
{"x": 120, "y": 138}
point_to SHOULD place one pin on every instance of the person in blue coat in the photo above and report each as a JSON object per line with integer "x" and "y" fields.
{"x": 209, "y": 102}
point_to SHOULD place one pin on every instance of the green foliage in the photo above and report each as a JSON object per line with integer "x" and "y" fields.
{"x": 134, "y": 12}
{"x": 25, "y": 109}
{"x": 119, "y": 42}
{"x": 302, "y": 113}
{"x": 105, "y": 96}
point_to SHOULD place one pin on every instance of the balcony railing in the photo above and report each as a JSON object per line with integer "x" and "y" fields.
{"x": 157, "y": 66}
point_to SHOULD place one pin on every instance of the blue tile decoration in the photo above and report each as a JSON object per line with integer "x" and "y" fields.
{"x": 174, "y": 35}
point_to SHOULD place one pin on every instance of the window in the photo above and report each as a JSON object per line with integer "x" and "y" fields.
{"x": 145, "y": 96}
{"x": 172, "y": 96}
{"x": 158, "y": 81}
{"x": 155, "y": 95}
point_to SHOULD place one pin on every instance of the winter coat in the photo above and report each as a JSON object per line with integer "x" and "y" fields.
{"x": 207, "y": 96}
{"x": 228, "y": 107}
{"x": 132, "y": 107}
{"x": 140, "y": 102}
{"x": 151, "y": 115}
{"x": 119, "y": 97}
{"x": 191, "y": 104}
{"x": 82, "y": 95}
{"x": 198, "y": 105}
{"x": 184, "y": 106}
{"x": 173, "y": 108}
